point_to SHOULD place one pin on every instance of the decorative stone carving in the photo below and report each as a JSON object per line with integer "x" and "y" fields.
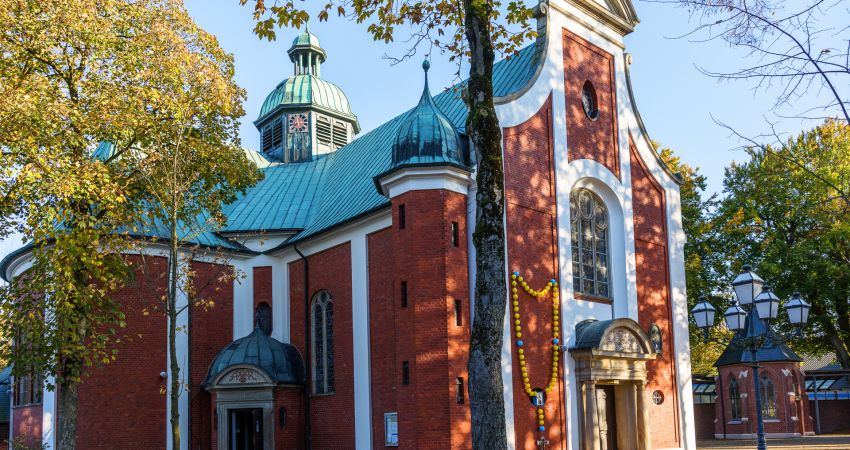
{"x": 786, "y": 372}
{"x": 621, "y": 340}
{"x": 242, "y": 375}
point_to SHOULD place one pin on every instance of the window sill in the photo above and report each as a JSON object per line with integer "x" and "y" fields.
{"x": 594, "y": 299}
{"x": 27, "y": 405}
{"x": 324, "y": 394}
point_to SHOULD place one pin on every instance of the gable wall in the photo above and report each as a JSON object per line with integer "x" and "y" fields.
{"x": 532, "y": 251}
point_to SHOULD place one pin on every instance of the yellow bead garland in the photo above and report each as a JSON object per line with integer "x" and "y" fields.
{"x": 556, "y": 306}
{"x": 552, "y": 286}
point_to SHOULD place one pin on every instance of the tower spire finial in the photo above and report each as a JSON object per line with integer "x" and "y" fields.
{"x": 426, "y": 93}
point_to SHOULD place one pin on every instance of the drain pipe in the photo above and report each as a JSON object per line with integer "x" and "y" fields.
{"x": 308, "y": 436}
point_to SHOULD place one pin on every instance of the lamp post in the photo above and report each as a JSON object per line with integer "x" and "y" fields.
{"x": 755, "y": 302}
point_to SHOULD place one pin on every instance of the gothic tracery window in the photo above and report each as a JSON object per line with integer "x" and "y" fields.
{"x": 735, "y": 399}
{"x": 589, "y": 236}
{"x": 322, "y": 343}
{"x": 768, "y": 397}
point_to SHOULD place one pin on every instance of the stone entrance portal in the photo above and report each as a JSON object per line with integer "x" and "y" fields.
{"x": 610, "y": 357}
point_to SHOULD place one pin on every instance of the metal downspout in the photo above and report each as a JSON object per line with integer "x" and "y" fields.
{"x": 722, "y": 399}
{"x": 308, "y": 436}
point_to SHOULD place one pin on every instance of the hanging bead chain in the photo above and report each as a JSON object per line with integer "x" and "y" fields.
{"x": 552, "y": 285}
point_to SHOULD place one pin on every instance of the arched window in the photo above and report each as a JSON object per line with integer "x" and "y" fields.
{"x": 263, "y": 317}
{"x": 768, "y": 398}
{"x": 322, "y": 313}
{"x": 589, "y": 235}
{"x": 735, "y": 399}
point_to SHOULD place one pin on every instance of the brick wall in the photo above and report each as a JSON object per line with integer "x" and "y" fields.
{"x": 263, "y": 287}
{"x": 704, "y": 418}
{"x": 26, "y": 423}
{"x": 331, "y": 416}
{"x": 210, "y": 330}
{"x": 120, "y": 404}
{"x": 834, "y": 416}
{"x": 291, "y": 434}
{"x": 383, "y": 308}
{"x": 533, "y": 251}
{"x": 586, "y": 138}
{"x": 428, "y": 336}
{"x": 792, "y": 415}
{"x": 653, "y": 281}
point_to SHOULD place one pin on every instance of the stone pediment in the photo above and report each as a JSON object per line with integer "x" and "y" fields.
{"x": 615, "y": 336}
{"x": 242, "y": 376}
{"x": 619, "y": 14}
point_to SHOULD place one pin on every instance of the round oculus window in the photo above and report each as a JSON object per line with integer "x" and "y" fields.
{"x": 658, "y": 397}
{"x": 589, "y": 101}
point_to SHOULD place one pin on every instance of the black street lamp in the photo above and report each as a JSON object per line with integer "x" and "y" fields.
{"x": 755, "y": 301}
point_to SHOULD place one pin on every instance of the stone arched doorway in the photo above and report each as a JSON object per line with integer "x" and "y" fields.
{"x": 257, "y": 384}
{"x": 610, "y": 357}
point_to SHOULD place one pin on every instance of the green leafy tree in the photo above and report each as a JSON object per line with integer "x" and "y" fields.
{"x": 703, "y": 267}
{"x": 77, "y": 73}
{"x": 792, "y": 222}
{"x": 472, "y": 32}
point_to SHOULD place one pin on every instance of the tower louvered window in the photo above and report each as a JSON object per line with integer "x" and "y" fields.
{"x": 589, "y": 236}
{"x": 323, "y": 130}
{"x": 322, "y": 340}
{"x": 340, "y": 135}
{"x": 277, "y": 133}
{"x": 267, "y": 138}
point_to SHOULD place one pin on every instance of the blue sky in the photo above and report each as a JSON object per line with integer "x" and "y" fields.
{"x": 675, "y": 100}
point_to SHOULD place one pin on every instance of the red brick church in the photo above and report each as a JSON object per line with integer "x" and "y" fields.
{"x": 351, "y": 325}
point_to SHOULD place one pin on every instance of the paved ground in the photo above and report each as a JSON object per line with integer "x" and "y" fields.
{"x": 826, "y": 442}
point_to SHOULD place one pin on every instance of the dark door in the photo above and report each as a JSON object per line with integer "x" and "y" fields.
{"x": 607, "y": 417}
{"x": 246, "y": 429}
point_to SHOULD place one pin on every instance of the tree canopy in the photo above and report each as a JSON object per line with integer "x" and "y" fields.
{"x": 91, "y": 88}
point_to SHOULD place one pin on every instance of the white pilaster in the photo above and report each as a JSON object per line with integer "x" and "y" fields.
{"x": 48, "y": 415}
{"x": 243, "y": 301}
{"x": 182, "y": 344}
{"x": 360, "y": 321}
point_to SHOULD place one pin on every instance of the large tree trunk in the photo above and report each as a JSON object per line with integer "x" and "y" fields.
{"x": 66, "y": 436}
{"x": 485, "y": 351}
{"x": 173, "y": 363}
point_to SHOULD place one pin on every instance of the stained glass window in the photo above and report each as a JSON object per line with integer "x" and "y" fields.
{"x": 323, "y": 361}
{"x": 768, "y": 398}
{"x": 735, "y": 399}
{"x": 589, "y": 236}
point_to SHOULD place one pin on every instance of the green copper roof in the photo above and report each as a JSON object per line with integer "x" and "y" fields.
{"x": 280, "y": 361}
{"x": 311, "y": 197}
{"x": 426, "y": 135}
{"x": 104, "y": 151}
{"x": 306, "y": 39}
{"x": 309, "y": 91}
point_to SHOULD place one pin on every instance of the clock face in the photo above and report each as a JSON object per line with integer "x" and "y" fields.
{"x": 298, "y": 123}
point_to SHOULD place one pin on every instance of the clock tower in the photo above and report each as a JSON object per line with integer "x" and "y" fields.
{"x": 305, "y": 116}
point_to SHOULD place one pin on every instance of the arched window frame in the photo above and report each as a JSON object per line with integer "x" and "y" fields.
{"x": 734, "y": 399}
{"x": 768, "y": 397}
{"x": 321, "y": 343}
{"x": 263, "y": 317}
{"x": 590, "y": 238}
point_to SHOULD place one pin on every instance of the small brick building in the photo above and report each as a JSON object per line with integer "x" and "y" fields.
{"x": 784, "y": 403}
{"x": 350, "y": 328}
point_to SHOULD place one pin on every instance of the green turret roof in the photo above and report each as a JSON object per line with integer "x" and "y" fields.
{"x": 426, "y": 135}
{"x": 309, "y": 91}
{"x": 280, "y": 361}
